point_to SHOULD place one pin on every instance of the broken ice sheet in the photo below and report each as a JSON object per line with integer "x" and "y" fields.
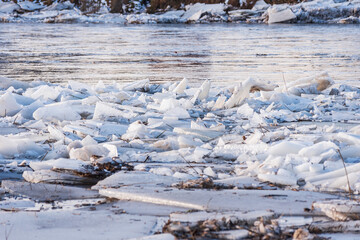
{"x": 10, "y": 147}
{"x": 253, "y": 145}
{"x": 339, "y": 210}
{"x": 49, "y": 176}
{"x": 47, "y": 192}
{"x": 249, "y": 217}
{"x": 134, "y": 178}
{"x": 16, "y": 205}
{"x": 70, "y": 223}
{"x": 242, "y": 200}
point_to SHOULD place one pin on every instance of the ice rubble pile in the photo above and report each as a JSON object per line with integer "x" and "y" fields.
{"x": 301, "y": 135}
{"x": 316, "y": 11}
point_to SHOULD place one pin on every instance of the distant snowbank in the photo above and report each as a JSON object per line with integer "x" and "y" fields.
{"x": 317, "y": 11}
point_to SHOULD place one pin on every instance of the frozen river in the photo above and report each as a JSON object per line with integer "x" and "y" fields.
{"x": 220, "y": 52}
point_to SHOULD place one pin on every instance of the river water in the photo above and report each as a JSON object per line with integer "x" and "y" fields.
{"x": 224, "y": 53}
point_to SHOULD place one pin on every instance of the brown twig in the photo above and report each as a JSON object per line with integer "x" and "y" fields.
{"x": 44, "y": 156}
{"x": 189, "y": 164}
{"x": 347, "y": 176}
{"x": 161, "y": 134}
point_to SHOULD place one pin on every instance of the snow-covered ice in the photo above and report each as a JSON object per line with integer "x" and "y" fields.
{"x": 263, "y": 151}
{"x": 317, "y": 11}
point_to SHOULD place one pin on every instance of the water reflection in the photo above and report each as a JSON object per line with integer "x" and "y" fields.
{"x": 221, "y": 52}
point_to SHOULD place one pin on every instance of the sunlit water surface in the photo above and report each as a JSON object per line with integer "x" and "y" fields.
{"x": 224, "y": 53}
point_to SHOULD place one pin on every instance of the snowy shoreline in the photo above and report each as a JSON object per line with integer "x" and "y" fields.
{"x": 317, "y": 11}
{"x": 178, "y": 158}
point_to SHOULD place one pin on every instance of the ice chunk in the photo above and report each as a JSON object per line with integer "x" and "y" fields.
{"x": 81, "y": 131}
{"x": 61, "y": 163}
{"x": 113, "y": 152}
{"x": 278, "y": 179}
{"x": 10, "y": 147}
{"x": 240, "y": 182}
{"x": 8, "y": 7}
{"x": 16, "y": 204}
{"x": 351, "y": 151}
{"x": 260, "y": 5}
{"x": 183, "y": 176}
{"x": 47, "y": 192}
{"x": 35, "y": 125}
{"x": 111, "y": 128}
{"x": 56, "y": 133}
{"x": 317, "y": 149}
{"x": 81, "y": 87}
{"x": 6, "y": 82}
{"x": 122, "y": 95}
{"x": 167, "y": 144}
{"x": 58, "y": 151}
{"x": 203, "y": 92}
{"x": 278, "y": 15}
{"x": 285, "y": 147}
{"x": 30, "y": 6}
{"x": 28, "y": 111}
{"x": 195, "y": 12}
{"x": 339, "y": 210}
{"x": 254, "y": 138}
{"x": 241, "y": 92}
{"x": 180, "y": 88}
{"x": 272, "y": 162}
{"x": 330, "y": 176}
{"x": 219, "y": 104}
{"x": 48, "y": 176}
{"x": 162, "y": 171}
{"x": 43, "y": 92}
{"x": 199, "y": 154}
{"x": 88, "y": 140}
{"x": 107, "y": 110}
{"x": 55, "y": 112}
{"x": 59, "y": 6}
{"x": 188, "y": 142}
{"x": 204, "y": 135}
{"x": 8, "y": 105}
{"x": 135, "y": 130}
{"x": 351, "y": 139}
{"x": 74, "y": 144}
{"x": 174, "y": 108}
{"x": 246, "y": 111}
{"x": 141, "y": 85}
{"x": 87, "y": 152}
{"x": 134, "y": 178}
{"x": 310, "y": 85}
{"x": 177, "y": 112}
{"x": 210, "y": 172}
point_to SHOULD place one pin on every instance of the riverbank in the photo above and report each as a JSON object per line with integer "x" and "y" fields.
{"x": 317, "y": 11}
